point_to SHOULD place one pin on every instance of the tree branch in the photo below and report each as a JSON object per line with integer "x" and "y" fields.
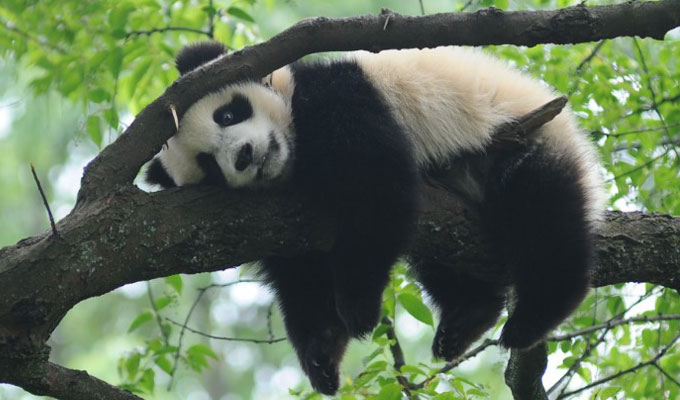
{"x": 119, "y": 163}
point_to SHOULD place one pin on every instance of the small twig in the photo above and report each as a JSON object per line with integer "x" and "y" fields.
{"x": 590, "y": 346}
{"x": 227, "y": 338}
{"x": 666, "y": 374}
{"x": 422, "y": 7}
{"x": 641, "y": 166}
{"x": 44, "y": 199}
{"x": 611, "y": 324}
{"x": 582, "y": 64}
{"x": 453, "y": 364}
{"x": 158, "y": 316}
{"x": 211, "y": 20}
{"x": 166, "y": 29}
{"x": 398, "y": 356}
{"x": 270, "y": 330}
{"x": 592, "y": 55}
{"x": 201, "y": 292}
{"x": 466, "y": 5}
{"x": 634, "y": 368}
{"x": 650, "y": 86}
{"x": 520, "y": 132}
{"x": 642, "y": 130}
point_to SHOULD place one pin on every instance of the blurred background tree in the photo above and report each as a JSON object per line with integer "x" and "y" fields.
{"x": 74, "y": 73}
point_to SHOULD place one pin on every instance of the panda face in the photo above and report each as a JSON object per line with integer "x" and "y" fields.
{"x": 239, "y": 136}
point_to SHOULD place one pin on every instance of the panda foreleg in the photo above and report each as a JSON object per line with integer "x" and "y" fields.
{"x": 536, "y": 213}
{"x": 374, "y": 227}
{"x": 468, "y": 307}
{"x": 304, "y": 290}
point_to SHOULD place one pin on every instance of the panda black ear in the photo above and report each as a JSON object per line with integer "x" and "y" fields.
{"x": 197, "y": 54}
{"x": 156, "y": 174}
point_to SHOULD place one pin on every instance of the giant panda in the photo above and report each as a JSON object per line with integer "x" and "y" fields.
{"x": 357, "y": 135}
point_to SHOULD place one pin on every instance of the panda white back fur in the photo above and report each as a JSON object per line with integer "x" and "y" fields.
{"x": 356, "y": 134}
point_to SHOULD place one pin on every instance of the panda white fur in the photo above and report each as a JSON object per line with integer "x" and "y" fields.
{"x": 357, "y": 134}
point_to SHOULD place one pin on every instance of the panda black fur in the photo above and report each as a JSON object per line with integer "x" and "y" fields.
{"x": 357, "y": 135}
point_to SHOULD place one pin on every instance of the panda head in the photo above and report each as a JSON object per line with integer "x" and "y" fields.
{"x": 238, "y": 136}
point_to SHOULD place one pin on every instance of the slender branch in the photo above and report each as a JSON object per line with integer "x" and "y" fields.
{"x": 226, "y": 338}
{"x": 150, "y": 32}
{"x": 641, "y": 166}
{"x": 610, "y": 324}
{"x": 185, "y": 327}
{"x": 655, "y": 106}
{"x": 634, "y": 368}
{"x": 398, "y": 356}
{"x": 633, "y": 132}
{"x": 10, "y": 27}
{"x": 568, "y": 375}
{"x": 44, "y": 199}
{"x": 586, "y": 61}
{"x": 592, "y": 345}
{"x": 590, "y": 57}
{"x": 211, "y": 19}
{"x": 666, "y": 374}
{"x": 157, "y": 315}
{"x": 453, "y": 364}
{"x": 119, "y": 162}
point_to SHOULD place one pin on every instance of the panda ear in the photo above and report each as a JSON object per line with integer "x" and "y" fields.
{"x": 156, "y": 174}
{"x": 197, "y": 54}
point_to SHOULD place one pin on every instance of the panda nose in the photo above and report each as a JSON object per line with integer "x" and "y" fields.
{"x": 245, "y": 157}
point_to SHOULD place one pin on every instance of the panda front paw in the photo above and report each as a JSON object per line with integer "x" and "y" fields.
{"x": 359, "y": 316}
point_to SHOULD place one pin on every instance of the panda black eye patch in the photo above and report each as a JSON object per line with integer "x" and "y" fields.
{"x": 237, "y": 111}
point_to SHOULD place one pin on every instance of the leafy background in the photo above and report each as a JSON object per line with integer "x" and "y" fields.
{"x": 74, "y": 73}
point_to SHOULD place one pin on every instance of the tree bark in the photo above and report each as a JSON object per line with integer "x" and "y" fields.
{"x": 118, "y": 234}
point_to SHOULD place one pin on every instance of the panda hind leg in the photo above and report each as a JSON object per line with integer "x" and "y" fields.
{"x": 304, "y": 290}
{"x": 537, "y": 215}
{"x": 468, "y": 307}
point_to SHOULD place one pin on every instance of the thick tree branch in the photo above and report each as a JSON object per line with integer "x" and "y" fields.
{"x": 119, "y": 163}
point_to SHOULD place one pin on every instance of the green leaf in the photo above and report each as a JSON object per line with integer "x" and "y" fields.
{"x": 119, "y": 15}
{"x": 99, "y": 95}
{"x": 164, "y": 364}
{"x": 141, "y": 319}
{"x": 115, "y": 61}
{"x": 111, "y": 117}
{"x": 389, "y": 392}
{"x": 371, "y": 356}
{"x": 162, "y": 302}
{"x": 202, "y": 350}
{"x": 446, "y": 396}
{"x": 609, "y": 392}
{"x": 94, "y": 129}
{"x": 132, "y": 364}
{"x": 147, "y": 382}
{"x": 414, "y": 306}
{"x": 239, "y": 13}
{"x": 379, "y": 331}
{"x": 175, "y": 281}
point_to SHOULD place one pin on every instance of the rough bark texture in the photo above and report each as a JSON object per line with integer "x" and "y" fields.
{"x": 117, "y": 234}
